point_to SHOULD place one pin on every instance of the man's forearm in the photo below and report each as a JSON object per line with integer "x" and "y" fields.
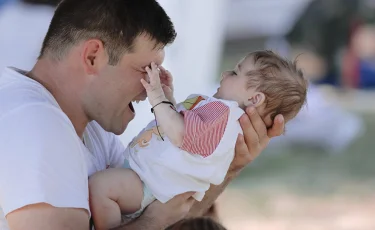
{"x": 199, "y": 208}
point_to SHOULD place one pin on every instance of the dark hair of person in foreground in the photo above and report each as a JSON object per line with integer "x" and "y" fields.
{"x": 43, "y": 2}
{"x": 200, "y": 223}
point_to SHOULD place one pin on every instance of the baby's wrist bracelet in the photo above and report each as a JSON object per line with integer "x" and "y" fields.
{"x": 163, "y": 102}
{"x": 152, "y": 111}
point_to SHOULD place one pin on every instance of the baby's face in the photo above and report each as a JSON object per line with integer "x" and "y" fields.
{"x": 233, "y": 84}
{"x": 234, "y": 87}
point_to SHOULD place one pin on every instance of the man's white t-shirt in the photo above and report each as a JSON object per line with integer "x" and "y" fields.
{"x": 41, "y": 157}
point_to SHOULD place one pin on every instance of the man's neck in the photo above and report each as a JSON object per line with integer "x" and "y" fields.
{"x": 63, "y": 85}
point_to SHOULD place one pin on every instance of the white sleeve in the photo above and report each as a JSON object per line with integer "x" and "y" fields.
{"x": 116, "y": 151}
{"x": 41, "y": 160}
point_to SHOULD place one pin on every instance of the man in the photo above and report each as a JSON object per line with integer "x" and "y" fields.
{"x": 58, "y": 121}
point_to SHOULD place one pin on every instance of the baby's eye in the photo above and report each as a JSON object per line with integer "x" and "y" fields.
{"x": 233, "y": 73}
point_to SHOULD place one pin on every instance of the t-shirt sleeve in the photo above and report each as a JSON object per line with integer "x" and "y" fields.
{"x": 41, "y": 160}
{"x": 204, "y": 128}
{"x": 116, "y": 151}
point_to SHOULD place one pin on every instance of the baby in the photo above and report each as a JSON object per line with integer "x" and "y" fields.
{"x": 191, "y": 145}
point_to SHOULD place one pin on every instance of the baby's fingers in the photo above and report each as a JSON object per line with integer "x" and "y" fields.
{"x": 153, "y": 74}
{"x": 166, "y": 74}
{"x": 145, "y": 84}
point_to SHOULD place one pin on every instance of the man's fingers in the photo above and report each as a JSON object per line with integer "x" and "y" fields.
{"x": 243, "y": 155}
{"x": 190, "y": 202}
{"x": 241, "y": 146}
{"x": 278, "y": 127}
{"x": 243, "y": 150}
{"x": 185, "y": 196}
{"x": 249, "y": 133}
{"x": 258, "y": 124}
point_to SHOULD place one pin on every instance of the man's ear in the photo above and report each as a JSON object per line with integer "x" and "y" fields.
{"x": 256, "y": 100}
{"x": 94, "y": 56}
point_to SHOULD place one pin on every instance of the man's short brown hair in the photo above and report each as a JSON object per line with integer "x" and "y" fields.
{"x": 117, "y": 23}
{"x": 281, "y": 81}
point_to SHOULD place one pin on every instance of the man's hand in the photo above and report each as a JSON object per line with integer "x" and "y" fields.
{"x": 160, "y": 216}
{"x": 172, "y": 211}
{"x": 255, "y": 139}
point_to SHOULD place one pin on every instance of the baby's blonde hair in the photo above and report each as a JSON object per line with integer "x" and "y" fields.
{"x": 281, "y": 81}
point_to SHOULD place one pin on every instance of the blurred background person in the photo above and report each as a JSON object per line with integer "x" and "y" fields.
{"x": 321, "y": 124}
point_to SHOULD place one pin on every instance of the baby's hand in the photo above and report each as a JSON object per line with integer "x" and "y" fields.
{"x": 166, "y": 79}
{"x": 154, "y": 89}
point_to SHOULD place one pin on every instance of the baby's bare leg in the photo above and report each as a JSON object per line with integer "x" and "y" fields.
{"x": 112, "y": 192}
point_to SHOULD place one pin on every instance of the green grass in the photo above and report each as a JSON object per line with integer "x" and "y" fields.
{"x": 313, "y": 172}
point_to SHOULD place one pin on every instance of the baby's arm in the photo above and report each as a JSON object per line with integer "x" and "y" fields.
{"x": 197, "y": 131}
{"x": 112, "y": 192}
{"x": 170, "y": 121}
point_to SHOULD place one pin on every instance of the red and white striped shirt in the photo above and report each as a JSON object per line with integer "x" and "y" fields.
{"x": 204, "y": 128}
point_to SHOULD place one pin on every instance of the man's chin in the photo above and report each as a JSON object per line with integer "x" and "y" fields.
{"x": 118, "y": 133}
{"x": 121, "y": 128}
{"x": 117, "y": 129}
{"x": 118, "y": 124}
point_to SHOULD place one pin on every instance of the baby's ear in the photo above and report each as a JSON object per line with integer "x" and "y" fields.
{"x": 256, "y": 100}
